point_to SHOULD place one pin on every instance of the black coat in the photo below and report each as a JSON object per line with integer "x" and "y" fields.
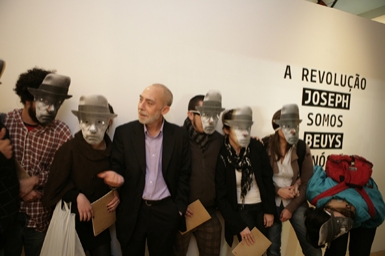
{"x": 129, "y": 159}
{"x": 226, "y": 188}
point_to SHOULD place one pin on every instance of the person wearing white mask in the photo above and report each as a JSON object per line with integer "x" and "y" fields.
{"x": 292, "y": 165}
{"x": 205, "y": 143}
{"x": 75, "y": 168}
{"x": 244, "y": 184}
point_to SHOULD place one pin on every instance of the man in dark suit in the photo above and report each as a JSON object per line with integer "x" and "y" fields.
{"x": 153, "y": 157}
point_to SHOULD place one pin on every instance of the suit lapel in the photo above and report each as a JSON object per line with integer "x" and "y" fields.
{"x": 139, "y": 145}
{"x": 168, "y": 146}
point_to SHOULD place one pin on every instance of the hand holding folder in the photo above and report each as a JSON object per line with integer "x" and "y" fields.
{"x": 200, "y": 216}
{"x": 258, "y": 248}
{"x": 102, "y": 219}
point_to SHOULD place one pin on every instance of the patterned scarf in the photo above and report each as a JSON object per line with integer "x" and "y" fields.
{"x": 242, "y": 164}
{"x": 202, "y": 139}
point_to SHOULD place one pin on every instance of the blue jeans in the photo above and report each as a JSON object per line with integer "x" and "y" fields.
{"x": 298, "y": 222}
{"x": 19, "y": 235}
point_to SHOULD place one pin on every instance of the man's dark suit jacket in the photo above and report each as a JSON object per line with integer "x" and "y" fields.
{"x": 128, "y": 159}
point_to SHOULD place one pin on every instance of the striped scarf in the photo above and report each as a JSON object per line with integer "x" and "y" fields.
{"x": 202, "y": 139}
{"x": 242, "y": 164}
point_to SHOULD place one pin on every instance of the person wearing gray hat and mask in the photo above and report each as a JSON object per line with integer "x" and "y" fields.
{"x": 9, "y": 184}
{"x": 292, "y": 165}
{"x": 34, "y": 145}
{"x": 244, "y": 184}
{"x": 71, "y": 181}
{"x": 205, "y": 143}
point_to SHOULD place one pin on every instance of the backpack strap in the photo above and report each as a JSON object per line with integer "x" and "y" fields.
{"x": 330, "y": 192}
{"x": 301, "y": 152}
{"x": 369, "y": 202}
{"x": 342, "y": 186}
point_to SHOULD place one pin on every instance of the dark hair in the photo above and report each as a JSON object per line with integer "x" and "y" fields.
{"x": 111, "y": 108}
{"x": 195, "y": 102}
{"x": 275, "y": 139}
{"x": 276, "y": 116}
{"x": 32, "y": 78}
{"x": 227, "y": 115}
{"x": 314, "y": 218}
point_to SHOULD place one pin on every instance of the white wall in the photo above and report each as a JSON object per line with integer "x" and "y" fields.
{"x": 242, "y": 48}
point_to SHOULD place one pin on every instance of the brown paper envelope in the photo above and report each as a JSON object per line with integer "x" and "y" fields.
{"x": 200, "y": 215}
{"x": 258, "y": 248}
{"x": 102, "y": 219}
{"x": 21, "y": 172}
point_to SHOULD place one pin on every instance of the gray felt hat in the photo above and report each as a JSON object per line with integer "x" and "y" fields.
{"x": 93, "y": 105}
{"x": 211, "y": 102}
{"x": 54, "y": 85}
{"x": 289, "y": 113}
{"x": 241, "y": 117}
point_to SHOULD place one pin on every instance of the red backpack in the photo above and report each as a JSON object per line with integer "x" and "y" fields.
{"x": 350, "y": 172}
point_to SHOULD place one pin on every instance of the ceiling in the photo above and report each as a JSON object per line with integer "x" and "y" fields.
{"x": 371, "y": 9}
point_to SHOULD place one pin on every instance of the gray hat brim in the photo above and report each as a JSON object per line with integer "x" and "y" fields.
{"x": 36, "y": 91}
{"x": 93, "y": 113}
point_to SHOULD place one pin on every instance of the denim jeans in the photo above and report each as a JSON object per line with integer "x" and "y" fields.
{"x": 19, "y": 235}
{"x": 298, "y": 222}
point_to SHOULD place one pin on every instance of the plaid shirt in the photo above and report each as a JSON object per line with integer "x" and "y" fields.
{"x": 35, "y": 151}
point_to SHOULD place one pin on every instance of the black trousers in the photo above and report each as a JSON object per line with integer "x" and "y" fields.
{"x": 360, "y": 244}
{"x": 157, "y": 223}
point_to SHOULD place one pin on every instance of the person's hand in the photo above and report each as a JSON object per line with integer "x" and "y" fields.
{"x": 27, "y": 185}
{"x": 112, "y": 178}
{"x": 247, "y": 236}
{"x": 113, "y": 204}
{"x": 295, "y": 189}
{"x": 5, "y": 145}
{"x": 285, "y": 215}
{"x": 189, "y": 213}
{"x": 286, "y": 193}
{"x": 32, "y": 196}
{"x": 84, "y": 208}
{"x": 268, "y": 220}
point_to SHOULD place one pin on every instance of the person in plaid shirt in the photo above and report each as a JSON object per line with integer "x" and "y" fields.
{"x": 35, "y": 135}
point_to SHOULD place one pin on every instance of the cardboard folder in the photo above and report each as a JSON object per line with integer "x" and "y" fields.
{"x": 102, "y": 219}
{"x": 258, "y": 248}
{"x": 200, "y": 215}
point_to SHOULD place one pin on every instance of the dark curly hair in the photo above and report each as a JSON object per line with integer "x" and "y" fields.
{"x": 314, "y": 218}
{"x": 32, "y": 78}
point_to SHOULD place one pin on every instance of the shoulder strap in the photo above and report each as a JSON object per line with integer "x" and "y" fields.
{"x": 301, "y": 152}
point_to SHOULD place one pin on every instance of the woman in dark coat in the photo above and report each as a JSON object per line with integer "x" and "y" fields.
{"x": 244, "y": 184}
{"x": 73, "y": 175}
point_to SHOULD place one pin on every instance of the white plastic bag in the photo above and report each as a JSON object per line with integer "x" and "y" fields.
{"x": 61, "y": 238}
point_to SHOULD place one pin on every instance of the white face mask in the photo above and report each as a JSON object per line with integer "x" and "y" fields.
{"x": 290, "y": 131}
{"x": 209, "y": 123}
{"x": 242, "y": 136}
{"x": 46, "y": 109}
{"x": 93, "y": 128}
